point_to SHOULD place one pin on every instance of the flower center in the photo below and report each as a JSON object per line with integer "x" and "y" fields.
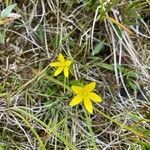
{"x": 85, "y": 93}
{"x": 63, "y": 65}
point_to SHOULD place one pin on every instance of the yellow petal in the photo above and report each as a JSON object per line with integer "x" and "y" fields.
{"x": 77, "y": 89}
{"x": 58, "y": 71}
{"x": 66, "y": 72}
{"x": 68, "y": 62}
{"x": 55, "y": 64}
{"x": 88, "y": 105}
{"x": 90, "y": 87}
{"x": 61, "y": 58}
{"x": 94, "y": 97}
{"x": 76, "y": 100}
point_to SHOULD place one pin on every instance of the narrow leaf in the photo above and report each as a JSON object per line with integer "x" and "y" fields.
{"x": 98, "y": 48}
{"x": 106, "y": 66}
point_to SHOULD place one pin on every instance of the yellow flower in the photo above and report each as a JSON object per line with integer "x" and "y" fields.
{"x": 86, "y": 95}
{"x": 62, "y": 65}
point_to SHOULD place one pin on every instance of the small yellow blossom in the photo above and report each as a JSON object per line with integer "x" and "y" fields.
{"x": 62, "y": 65}
{"x": 86, "y": 95}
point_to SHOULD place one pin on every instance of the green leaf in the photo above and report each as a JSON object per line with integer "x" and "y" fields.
{"x": 3, "y": 94}
{"x": 40, "y": 33}
{"x": 145, "y": 132}
{"x": 6, "y": 12}
{"x": 132, "y": 84}
{"x": 3, "y": 146}
{"x": 2, "y": 37}
{"x": 98, "y": 48}
{"x": 106, "y": 66}
{"x": 118, "y": 30}
{"x": 132, "y": 74}
{"x": 145, "y": 145}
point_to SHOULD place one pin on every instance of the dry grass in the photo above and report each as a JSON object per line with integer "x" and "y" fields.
{"x": 109, "y": 42}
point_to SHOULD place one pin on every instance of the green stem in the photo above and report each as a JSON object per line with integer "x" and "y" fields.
{"x": 57, "y": 82}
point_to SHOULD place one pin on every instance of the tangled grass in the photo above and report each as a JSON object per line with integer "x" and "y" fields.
{"x": 109, "y": 43}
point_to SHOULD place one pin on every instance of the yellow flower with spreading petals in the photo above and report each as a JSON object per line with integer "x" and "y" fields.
{"x": 62, "y": 65}
{"x": 86, "y": 95}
